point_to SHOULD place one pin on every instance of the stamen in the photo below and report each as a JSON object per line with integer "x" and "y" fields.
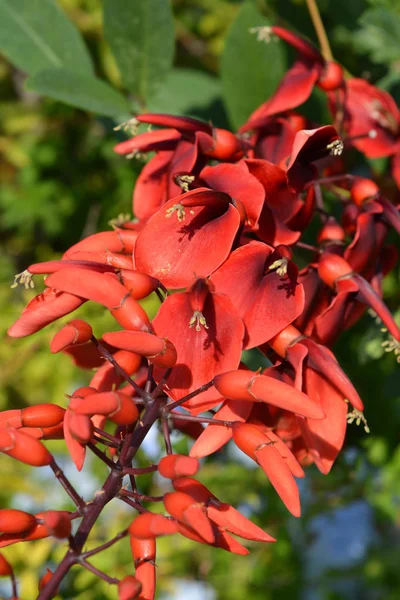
{"x": 358, "y": 417}
{"x": 280, "y": 266}
{"x": 176, "y": 208}
{"x": 264, "y": 34}
{"x": 120, "y": 220}
{"x": 198, "y": 319}
{"x": 184, "y": 181}
{"x": 132, "y": 126}
{"x": 335, "y": 148}
{"x": 24, "y": 278}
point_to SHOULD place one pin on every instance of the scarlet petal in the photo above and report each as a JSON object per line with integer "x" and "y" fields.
{"x": 150, "y": 525}
{"x": 324, "y": 438}
{"x": 267, "y": 302}
{"x": 185, "y": 509}
{"x": 201, "y": 353}
{"x": 160, "y": 351}
{"x": 45, "y": 308}
{"x": 279, "y": 474}
{"x": 294, "y": 89}
{"x": 237, "y": 181}
{"x": 227, "y": 517}
{"x": 172, "y": 251}
{"x": 16, "y": 521}
{"x": 178, "y": 465}
{"x": 151, "y": 188}
{"x": 24, "y": 448}
{"x": 106, "y": 290}
{"x": 215, "y": 436}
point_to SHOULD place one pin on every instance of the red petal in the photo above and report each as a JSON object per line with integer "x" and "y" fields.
{"x": 174, "y": 251}
{"x": 268, "y": 302}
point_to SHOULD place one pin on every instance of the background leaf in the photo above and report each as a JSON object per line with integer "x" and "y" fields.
{"x": 82, "y": 91}
{"x": 250, "y": 70}
{"x": 36, "y": 34}
{"x": 141, "y": 36}
{"x": 192, "y": 93}
{"x": 379, "y": 35}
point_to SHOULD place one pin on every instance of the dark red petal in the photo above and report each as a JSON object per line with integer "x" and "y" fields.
{"x": 266, "y": 303}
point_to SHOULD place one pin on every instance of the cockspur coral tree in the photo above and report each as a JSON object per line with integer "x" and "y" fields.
{"x": 221, "y": 220}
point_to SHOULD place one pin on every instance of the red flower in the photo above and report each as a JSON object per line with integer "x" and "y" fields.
{"x": 309, "y": 68}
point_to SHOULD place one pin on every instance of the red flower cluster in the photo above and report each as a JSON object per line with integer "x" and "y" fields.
{"x": 220, "y": 229}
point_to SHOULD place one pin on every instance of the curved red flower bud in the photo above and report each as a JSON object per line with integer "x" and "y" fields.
{"x": 222, "y": 539}
{"x": 80, "y": 427}
{"x": 139, "y": 285}
{"x": 182, "y": 124}
{"x": 144, "y": 556}
{"x": 223, "y": 515}
{"x": 55, "y": 432}
{"x": 42, "y": 415}
{"x": 337, "y": 273}
{"x": 227, "y": 146}
{"x": 149, "y": 141}
{"x": 258, "y": 446}
{"x": 129, "y": 588}
{"x": 57, "y": 523}
{"x": 331, "y": 233}
{"x": 73, "y": 333}
{"x": 44, "y": 580}
{"x": 216, "y": 435}
{"x": 178, "y": 465}
{"x": 119, "y": 240}
{"x": 159, "y": 351}
{"x": 106, "y": 377}
{"x": 76, "y": 449}
{"x": 149, "y": 525}
{"x": 112, "y": 259}
{"x": 106, "y": 290}
{"x": 16, "y": 521}
{"x": 116, "y": 406}
{"x": 39, "y": 532}
{"x": 363, "y": 190}
{"x": 247, "y": 385}
{"x": 191, "y": 513}
{"x": 331, "y": 77}
{"x": 5, "y": 567}
{"x": 45, "y": 308}
{"x": 24, "y": 448}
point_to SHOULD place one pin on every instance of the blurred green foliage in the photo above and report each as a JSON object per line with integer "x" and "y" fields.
{"x": 61, "y": 181}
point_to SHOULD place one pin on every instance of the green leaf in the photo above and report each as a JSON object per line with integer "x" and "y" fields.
{"x": 379, "y": 35}
{"x": 83, "y": 91}
{"x": 250, "y": 70}
{"x": 141, "y": 36}
{"x": 187, "y": 92}
{"x": 36, "y": 34}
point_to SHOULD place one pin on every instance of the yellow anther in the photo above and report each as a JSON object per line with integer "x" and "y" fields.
{"x": 335, "y": 148}
{"x": 132, "y": 126}
{"x": 184, "y": 181}
{"x": 120, "y": 220}
{"x": 199, "y": 320}
{"x": 264, "y": 34}
{"x": 179, "y": 209}
{"x": 358, "y": 417}
{"x": 25, "y": 279}
{"x": 280, "y": 266}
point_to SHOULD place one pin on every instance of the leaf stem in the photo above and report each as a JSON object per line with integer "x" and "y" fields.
{"x": 319, "y": 29}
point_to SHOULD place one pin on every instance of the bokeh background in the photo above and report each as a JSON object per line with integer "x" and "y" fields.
{"x": 61, "y": 181}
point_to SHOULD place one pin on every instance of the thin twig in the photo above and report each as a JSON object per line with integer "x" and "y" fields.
{"x": 101, "y": 574}
{"x": 319, "y": 29}
{"x": 167, "y": 437}
{"x": 115, "y": 539}
{"x": 199, "y": 390}
{"x": 182, "y": 417}
{"x": 67, "y": 485}
{"x": 108, "y": 356}
{"x": 139, "y": 470}
{"x": 138, "y": 496}
{"x": 102, "y": 456}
